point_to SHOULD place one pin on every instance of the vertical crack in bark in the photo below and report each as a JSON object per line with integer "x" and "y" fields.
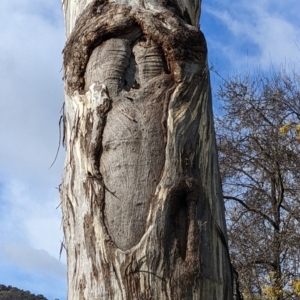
{"x": 96, "y": 116}
{"x": 179, "y": 216}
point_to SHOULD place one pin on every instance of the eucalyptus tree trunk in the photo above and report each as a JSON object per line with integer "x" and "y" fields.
{"x": 141, "y": 196}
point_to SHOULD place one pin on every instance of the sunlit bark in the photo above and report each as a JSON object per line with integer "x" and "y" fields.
{"x": 142, "y": 207}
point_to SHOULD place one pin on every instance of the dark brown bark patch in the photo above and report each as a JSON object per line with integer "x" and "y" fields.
{"x": 184, "y": 47}
{"x": 90, "y": 237}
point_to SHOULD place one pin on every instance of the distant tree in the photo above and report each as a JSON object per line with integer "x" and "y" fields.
{"x": 13, "y": 293}
{"x": 258, "y": 136}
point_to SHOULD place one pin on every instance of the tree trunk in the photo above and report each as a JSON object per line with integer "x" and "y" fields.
{"x": 142, "y": 205}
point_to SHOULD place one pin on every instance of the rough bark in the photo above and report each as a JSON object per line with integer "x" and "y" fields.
{"x": 141, "y": 196}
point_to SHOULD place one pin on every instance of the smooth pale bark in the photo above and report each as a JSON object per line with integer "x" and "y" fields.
{"x": 141, "y": 196}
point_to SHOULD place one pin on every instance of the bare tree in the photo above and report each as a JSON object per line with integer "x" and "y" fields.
{"x": 142, "y": 205}
{"x": 258, "y": 137}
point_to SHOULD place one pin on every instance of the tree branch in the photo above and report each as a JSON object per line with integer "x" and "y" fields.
{"x": 253, "y": 210}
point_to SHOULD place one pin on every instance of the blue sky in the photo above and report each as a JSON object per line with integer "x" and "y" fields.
{"x": 241, "y": 36}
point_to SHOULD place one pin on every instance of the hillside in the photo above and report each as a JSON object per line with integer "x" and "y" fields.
{"x": 13, "y": 293}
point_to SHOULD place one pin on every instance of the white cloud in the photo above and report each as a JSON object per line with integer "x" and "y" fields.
{"x": 29, "y": 214}
{"x": 30, "y": 240}
{"x": 257, "y": 34}
{"x": 31, "y": 86}
{"x": 31, "y": 260}
{"x": 33, "y": 270}
{"x": 31, "y": 96}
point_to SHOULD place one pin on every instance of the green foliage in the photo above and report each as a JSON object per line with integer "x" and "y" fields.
{"x": 13, "y": 293}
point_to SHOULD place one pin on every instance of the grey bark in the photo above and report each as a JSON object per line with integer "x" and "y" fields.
{"x": 141, "y": 196}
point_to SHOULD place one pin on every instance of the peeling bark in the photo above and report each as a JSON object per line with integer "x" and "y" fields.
{"x": 142, "y": 204}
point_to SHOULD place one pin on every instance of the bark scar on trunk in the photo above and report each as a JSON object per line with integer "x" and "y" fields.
{"x": 165, "y": 29}
{"x": 140, "y": 175}
{"x": 122, "y": 157}
{"x": 146, "y": 49}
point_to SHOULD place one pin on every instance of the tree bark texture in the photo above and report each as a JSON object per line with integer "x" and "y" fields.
{"x": 142, "y": 205}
